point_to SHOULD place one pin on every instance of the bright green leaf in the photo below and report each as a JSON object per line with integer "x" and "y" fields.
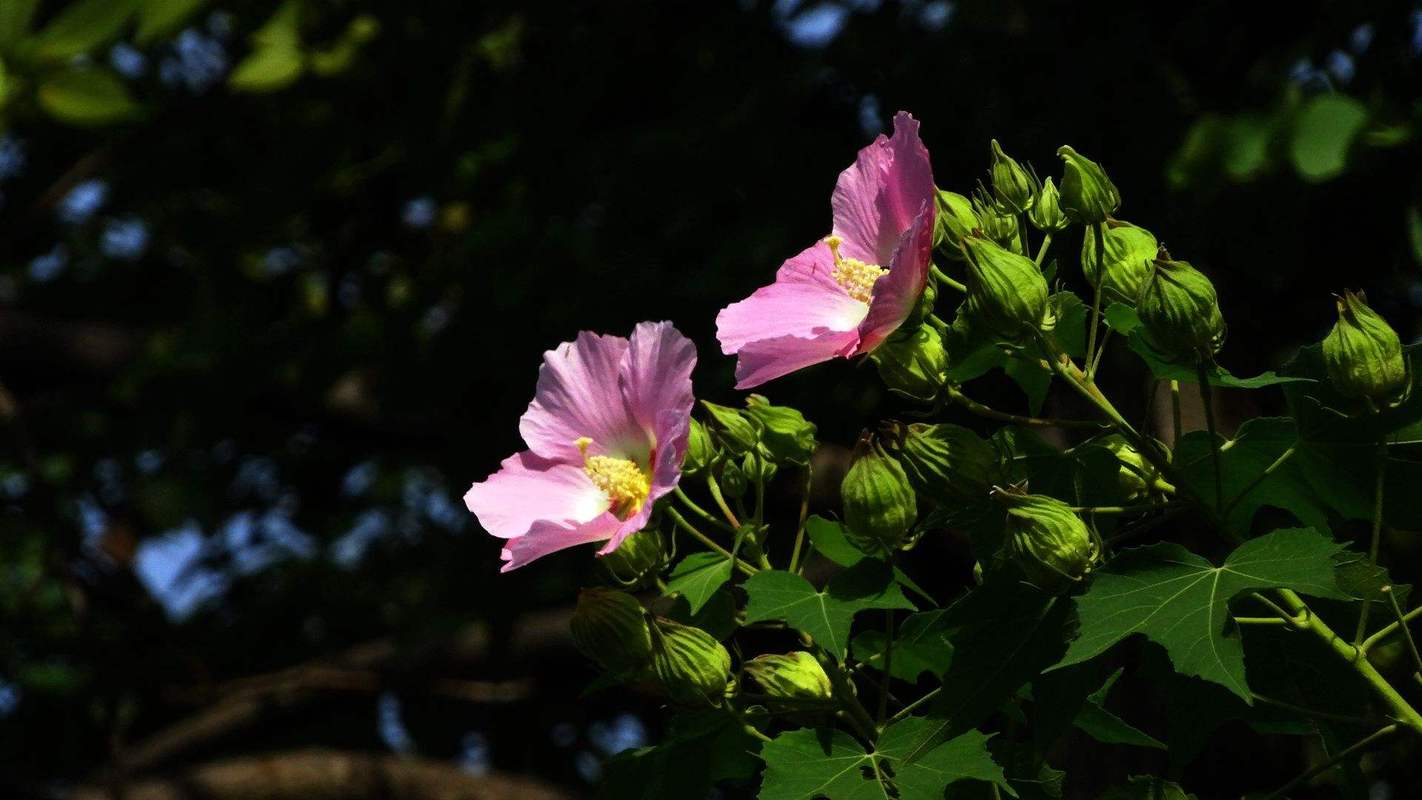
{"x": 87, "y": 96}
{"x": 15, "y": 19}
{"x": 920, "y": 645}
{"x": 829, "y": 540}
{"x": 1180, "y": 601}
{"x": 698, "y": 576}
{"x": 1323, "y": 133}
{"x": 159, "y": 18}
{"x": 82, "y": 26}
{"x": 267, "y": 69}
{"x": 826, "y": 616}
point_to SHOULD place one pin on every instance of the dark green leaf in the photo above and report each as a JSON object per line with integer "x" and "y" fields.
{"x": 698, "y": 576}
{"x": 701, "y": 750}
{"x": 86, "y": 96}
{"x": 1123, "y": 319}
{"x": 1107, "y": 728}
{"x": 826, "y": 616}
{"x": 159, "y": 18}
{"x": 921, "y": 645}
{"x": 82, "y": 26}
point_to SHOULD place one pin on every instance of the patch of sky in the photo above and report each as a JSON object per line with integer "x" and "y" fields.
{"x": 83, "y": 201}
{"x": 13, "y": 157}
{"x": 45, "y": 267}
{"x": 127, "y": 60}
{"x": 391, "y": 726}
{"x": 419, "y": 212}
{"x": 124, "y": 239}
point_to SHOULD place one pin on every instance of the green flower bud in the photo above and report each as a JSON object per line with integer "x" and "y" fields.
{"x": 793, "y": 676}
{"x": 610, "y": 627}
{"x": 1006, "y": 292}
{"x": 1013, "y": 186}
{"x": 734, "y": 480}
{"x": 997, "y": 223}
{"x": 1129, "y": 250}
{"x": 956, "y": 220}
{"x": 785, "y": 433}
{"x": 879, "y": 504}
{"x": 1136, "y": 477}
{"x": 913, "y": 364}
{"x": 1047, "y": 541}
{"x": 1362, "y": 354}
{"x": 1180, "y": 314}
{"x": 1046, "y": 214}
{"x": 757, "y": 466}
{"x": 738, "y": 432}
{"x": 948, "y": 463}
{"x": 1088, "y": 196}
{"x": 638, "y": 558}
{"x": 700, "y": 450}
{"x": 689, "y": 663}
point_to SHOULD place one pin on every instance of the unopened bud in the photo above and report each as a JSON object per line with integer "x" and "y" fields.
{"x": 610, "y": 627}
{"x": 700, "y": 450}
{"x": 956, "y": 220}
{"x": 1180, "y": 314}
{"x": 737, "y": 431}
{"x": 793, "y": 676}
{"x": 639, "y": 557}
{"x": 757, "y": 466}
{"x": 785, "y": 433}
{"x": 879, "y": 504}
{"x": 996, "y": 222}
{"x": 689, "y": 663}
{"x": 1363, "y": 354}
{"x": 734, "y": 480}
{"x": 1006, "y": 291}
{"x": 913, "y": 364}
{"x": 1088, "y": 196}
{"x": 1129, "y": 253}
{"x": 1012, "y": 185}
{"x": 1136, "y": 476}
{"x": 1047, "y": 541}
{"x": 948, "y": 463}
{"x": 1046, "y": 214}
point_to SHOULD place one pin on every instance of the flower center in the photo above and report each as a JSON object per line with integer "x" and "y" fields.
{"x": 855, "y": 276}
{"x": 624, "y": 483}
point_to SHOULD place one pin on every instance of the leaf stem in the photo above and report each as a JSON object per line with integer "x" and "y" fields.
{"x": 1098, "y": 231}
{"x": 1361, "y": 744}
{"x": 1042, "y": 250}
{"x": 981, "y": 410}
{"x": 1175, "y": 411}
{"x": 1260, "y": 478}
{"x": 804, "y": 519}
{"x": 706, "y": 540}
{"x": 705, "y": 515}
{"x": 1406, "y": 632}
{"x": 943, "y": 278}
{"x": 854, "y": 710}
{"x": 1311, "y": 712}
{"x": 908, "y": 709}
{"x": 716, "y": 495}
{"x": 1141, "y": 508}
{"x": 1388, "y": 630}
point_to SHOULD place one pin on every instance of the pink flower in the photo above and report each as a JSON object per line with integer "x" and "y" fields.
{"x": 845, "y": 294}
{"x": 606, "y": 433}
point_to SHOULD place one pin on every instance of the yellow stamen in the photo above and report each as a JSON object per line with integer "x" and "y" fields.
{"x": 624, "y": 483}
{"x": 857, "y": 277}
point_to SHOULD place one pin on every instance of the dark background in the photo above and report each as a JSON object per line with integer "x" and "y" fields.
{"x": 256, "y": 344}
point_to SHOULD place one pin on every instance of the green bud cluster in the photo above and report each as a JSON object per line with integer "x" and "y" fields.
{"x": 996, "y": 222}
{"x": 1013, "y": 187}
{"x": 785, "y": 433}
{"x": 1047, "y": 541}
{"x": 1129, "y": 252}
{"x": 913, "y": 364}
{"x": 700, "y": 450}
{"x": 1180, "y": 314}
{"x": 948, "y": 463}
{"x": 1088, "y": 196}
{"x": 1006, "y": 291}
{"x": 792, "y": 676}
{"x": 689, "y": 663}
{"x": 1046, "y": 214}
{"x": 1363, "y": 354}
{"x": 610, "y": 627}
{"x": 737, "y": 432}
{"x": 956, "y": 221}
{"x": 879, "y": 503}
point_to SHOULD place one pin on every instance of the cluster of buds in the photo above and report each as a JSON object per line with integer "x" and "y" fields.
{"x": 1046, "y": 541}
{"x": 956, "y": 221}
{"x": 880, "y": 507}
{"x": 1007, "y": 293}
{"x": 746, "y": 446}
{"x": 1363, "y": 354}
{"x": 687, "y": 663}
{"x": 947, "y": 463}
{"x": 1180, "y": 313}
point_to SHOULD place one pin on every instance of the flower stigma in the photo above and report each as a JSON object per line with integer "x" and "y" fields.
{"x": 855, "y": 276}
{"x": 624, "y": 483}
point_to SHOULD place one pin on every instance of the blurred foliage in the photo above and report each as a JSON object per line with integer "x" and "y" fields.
{"x": 276, "y": 278}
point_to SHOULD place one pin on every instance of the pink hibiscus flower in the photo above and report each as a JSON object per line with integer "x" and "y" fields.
{"x": 845, "y": 294}
{"x": 606, "y": 433}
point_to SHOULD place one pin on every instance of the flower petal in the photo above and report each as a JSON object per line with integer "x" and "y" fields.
{"x": 896, "y": 293}
{"x": 803, "y": 302}
{"x": 528, "y": 490}
{"x": 578, "y": 396}
{"x": 550, "y": 537}
{"x": 876, "y": 200}
{"x": 656, "y": 375}
{"x": 767, "y": 359}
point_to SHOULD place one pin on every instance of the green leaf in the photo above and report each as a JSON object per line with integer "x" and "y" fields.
{"x": 15, "y": 19}
{"x": 1072, "y": 316}
{"x": 808, "y": 764}
{"x": 921, "y": 645}
{"x": 159, "y": 18}
{"x": 1323, "y": 134}
{"x": 826, "y": 616}
{"x": 82, "y": 26}
{"x": 1414, "y": 232}
{"x": 267, "y": 69}
{"x": 829, "y": 540}
{"x": 1325, "y": 416}
{"x": 1123, "y": 319}
{"x": 698, "y": 576}
{"x": 87, "y": 96}
{"x": 1180, "y": 601}
{"x": 701, "y": 750}
{"x": 1103, "y": 726}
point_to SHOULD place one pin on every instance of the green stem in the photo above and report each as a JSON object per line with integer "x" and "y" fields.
{"x": 1407, "y": 632}
{"x": 1263, "y": 476}
{"x": 1362, "y": 744}
{"x": 706, "y": 540}
{"x": 1208, "y": 400}
{"x": 854, "y": 710}
{"x": 981, "y": 410}
{"x": 1283, "y": 615}
{"x": 1098, "y": 231}
{"x": 804, "y": 519}
{"x": 888, "y": 665}
{"x": 909, "y": 709}
{"x": 1373, "y": 546}
{"x": 1042, "y": 251}
{"x": 1022, "y": 224}
{"x": 721, "y": 501}
{"x": 702, "y": 513}
{"x": 1262, "y": 621}
{"x": 1356, "y": 657}
{"x": 1175, "y": 411}
{"x": 1310, "y": 712}
{"x": 1388, "y": 630}
{"x": 944, "y": 280}
{"x": 1136, "y": 509}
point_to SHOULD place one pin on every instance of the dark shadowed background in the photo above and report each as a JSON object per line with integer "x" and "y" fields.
{"x": 275, "y": 280}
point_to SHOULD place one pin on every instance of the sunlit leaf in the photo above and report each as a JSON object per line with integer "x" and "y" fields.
{"x": 1323, "y": 133}
{"x": 87, "y": 96}
{"x": 698, "y": 576}
{"x": 824, "y": 615}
